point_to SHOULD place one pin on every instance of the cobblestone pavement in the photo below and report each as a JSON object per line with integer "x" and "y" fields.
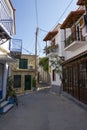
{"x": 44, "y": 110}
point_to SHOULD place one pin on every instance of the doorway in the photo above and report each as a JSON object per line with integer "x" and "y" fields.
{"x": 27, "y": 82}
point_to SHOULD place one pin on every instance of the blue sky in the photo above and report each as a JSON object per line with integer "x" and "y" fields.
{"x": 49, "y": 12}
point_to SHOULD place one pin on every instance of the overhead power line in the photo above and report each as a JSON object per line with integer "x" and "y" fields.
{"x": 63, "y": 13}
{"x": 43, "y": 30}
{"x": 25, "y": 49}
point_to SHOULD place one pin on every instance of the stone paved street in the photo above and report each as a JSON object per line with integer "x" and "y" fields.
{"x": 44, "y": 110}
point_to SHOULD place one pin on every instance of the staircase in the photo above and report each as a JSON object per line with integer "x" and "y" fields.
{"x": 5, "y": 106}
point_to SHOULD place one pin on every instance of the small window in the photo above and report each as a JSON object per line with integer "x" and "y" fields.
{"x": 23, "y": 63}
{"x": 30, "y": 67}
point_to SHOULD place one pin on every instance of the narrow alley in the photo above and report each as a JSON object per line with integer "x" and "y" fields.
{"x": 43, "y": 110}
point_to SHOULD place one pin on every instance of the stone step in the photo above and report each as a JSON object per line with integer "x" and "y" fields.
{"x": 7, "y": 107}
{"x": 3, "y": 103}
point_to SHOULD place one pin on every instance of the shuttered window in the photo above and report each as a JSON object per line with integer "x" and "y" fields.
{"x": 17, "y": 81}
{"x": 23, "y": 63}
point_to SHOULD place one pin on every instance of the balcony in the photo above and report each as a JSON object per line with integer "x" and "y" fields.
{"x": 51, "y": 50}
{"x": 74, "y": 41}
{"x": 16, "y": 48}
{"x": 6, "y": 21}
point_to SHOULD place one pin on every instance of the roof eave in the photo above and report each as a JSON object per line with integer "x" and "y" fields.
{"x": 50, "y": 35}
{"x": 70, "y": 20}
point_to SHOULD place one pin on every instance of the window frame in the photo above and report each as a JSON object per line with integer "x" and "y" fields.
{"x": 23, "y": 63}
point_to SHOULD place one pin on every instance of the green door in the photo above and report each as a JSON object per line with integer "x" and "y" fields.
{"x": 27, "y": 82}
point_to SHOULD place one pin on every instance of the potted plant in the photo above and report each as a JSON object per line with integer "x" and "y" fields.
{"x": 33, "y": 83}
{"x": 10, "y": 91}
{"x": 11, "y": 95}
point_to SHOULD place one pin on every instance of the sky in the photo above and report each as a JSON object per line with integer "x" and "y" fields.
{"x": 48, "y": 16}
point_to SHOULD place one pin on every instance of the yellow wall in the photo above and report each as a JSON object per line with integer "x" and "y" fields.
{"x": 16, "y": 71}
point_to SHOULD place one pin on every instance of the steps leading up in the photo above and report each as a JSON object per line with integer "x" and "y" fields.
{"x": 3, "y": 103}
{"x": 5, "y": 106}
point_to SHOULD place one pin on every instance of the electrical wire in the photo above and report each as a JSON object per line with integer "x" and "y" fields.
{"x": 57, "y": 20}
{"x": 24, "y": 49}
{"x": 27, "y": 51}
{"x": 43, "y": 30}
{"x": 59, "y": 17}
{"x": 63, "y": 13}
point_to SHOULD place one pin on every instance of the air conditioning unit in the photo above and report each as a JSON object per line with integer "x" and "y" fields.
{"x": 31, "y": 67}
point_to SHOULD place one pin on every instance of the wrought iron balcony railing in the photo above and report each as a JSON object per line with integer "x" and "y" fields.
{"x": 5, "y": 17}
{"x": 75, "y": 36}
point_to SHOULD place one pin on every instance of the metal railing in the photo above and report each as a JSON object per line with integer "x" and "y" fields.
{"x": 75, "y": 36}
{"x": 5, "y": 17}
{"x": 16, "y": 48}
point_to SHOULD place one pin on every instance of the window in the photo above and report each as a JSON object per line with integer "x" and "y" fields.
{"x": 75, "y": 75}
{"x": 30, "y": 67}
{"x": 83, "y": 75}
{"x": 17, "y": 81}
{"x": 23, "y": 63}
{"x": 54, "y": 75}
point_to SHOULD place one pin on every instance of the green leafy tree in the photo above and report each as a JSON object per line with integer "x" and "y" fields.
{"x": 55, "y": 61}
{"x": 34, "y": 82}
{"x": 44, "y": 62}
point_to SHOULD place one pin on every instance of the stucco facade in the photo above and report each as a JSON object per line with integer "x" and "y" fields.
{"x": 25, "y": 72}
{"x": 54, "y": 39}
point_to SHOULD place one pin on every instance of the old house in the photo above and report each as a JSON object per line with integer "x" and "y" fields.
{"x": 75, "y": 48}
{"x": 23, "y": 71}
{"x": 54, "y": 49}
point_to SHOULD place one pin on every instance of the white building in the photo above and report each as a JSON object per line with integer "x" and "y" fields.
{"x": 54, "y": 47}
{"x": 7, "y": 30}
{"x": 75, "y": 41}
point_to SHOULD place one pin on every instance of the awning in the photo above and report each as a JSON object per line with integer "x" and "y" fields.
{"x": 82, "y": 2}
{"x": 72, "y": 18}
{"x": 50, "y": 35}
{"x": 6, "y": 58}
